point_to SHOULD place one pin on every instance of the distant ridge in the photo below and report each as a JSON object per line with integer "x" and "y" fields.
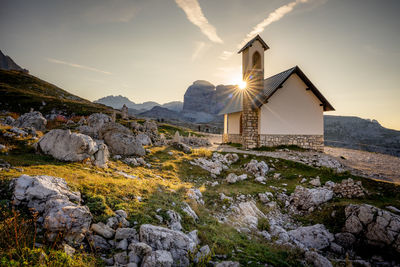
{"x": 6, "y": 63}
{"x": 118, "y": 101}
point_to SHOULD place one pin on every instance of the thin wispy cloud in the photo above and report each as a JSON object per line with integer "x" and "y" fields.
{"x": 195, "y": 15}
{"x": 200, "y": 49}
{"x": 274, "y": 16}
{"x": 225, "y": 55}
{"x": 74, "y": 65}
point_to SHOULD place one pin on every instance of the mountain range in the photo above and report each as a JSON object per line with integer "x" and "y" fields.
{"x": 202, "y": 101}
{"x": 118, "y": 101}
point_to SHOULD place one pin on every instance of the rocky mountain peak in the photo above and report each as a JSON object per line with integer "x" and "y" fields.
{"x": 6, "y": 63}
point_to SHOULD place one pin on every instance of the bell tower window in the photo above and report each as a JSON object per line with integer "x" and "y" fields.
{"x": 256, "y": 60}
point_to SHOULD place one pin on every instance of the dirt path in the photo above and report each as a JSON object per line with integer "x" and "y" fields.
{"x": 362, "y": 163}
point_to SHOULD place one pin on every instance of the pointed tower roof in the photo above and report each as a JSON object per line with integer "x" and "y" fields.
{"x": 249, "y": 43}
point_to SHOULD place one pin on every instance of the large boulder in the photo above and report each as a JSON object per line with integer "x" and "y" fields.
{"x": 120, "y": 140}
{"x": 305, "y": 199}
{"x": 97, "y": 120}
{"x": 56, "y": 203}
{"x": 176, "y": 242}
{"x": 373, "y": 225}
{"x": 66, "y": 146}
{"x": 32, "y": 119}
{"x": 315, "y": 236}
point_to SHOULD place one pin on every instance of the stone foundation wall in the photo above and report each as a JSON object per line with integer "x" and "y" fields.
{"x": 315, "y": 142}
{"x": 232, "y": 138}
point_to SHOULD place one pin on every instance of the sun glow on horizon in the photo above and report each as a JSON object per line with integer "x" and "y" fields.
{"x": 242, "y": 85}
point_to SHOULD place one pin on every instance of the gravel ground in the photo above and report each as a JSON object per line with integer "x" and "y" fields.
{"x": 362, "y": 163}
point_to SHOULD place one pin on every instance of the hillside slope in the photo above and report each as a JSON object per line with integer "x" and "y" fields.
{"x": 361, "y": 134}
{"x": 21, "y": 91}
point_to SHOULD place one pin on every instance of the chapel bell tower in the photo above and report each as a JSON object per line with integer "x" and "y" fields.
{"x": 253, "y": 75}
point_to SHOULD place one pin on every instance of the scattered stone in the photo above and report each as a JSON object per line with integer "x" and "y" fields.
{"x": 303, "y": 180}
{"x": 121, "y": 258}
{"x": 174, "y": 221}
{"x": 182, "y": 147}
{"x": 265, "y": 197}
{"x": 123, "y": 244}
{"x": 189, "y": 211}
{"x": 125, "y": 233}
{"x": 223, "y": 197}
{"x": 260, "y": 179}
{"x": 277, "y": 176}
{"x": 98, "y": 242}
{"x": 103, "y": 230}
{"x": 315, "y": 182}
{"x": 257, "y": 168}
{"x": 161, "y": 258}
{"x": 195, "y": 193}
{"x": 317, "y": 260}
{"x": 176, "y": 242}
{"x": 202, "y": 254}
{"x": 305, "y": 199}
{"x": 32, "y": 119}
{"x": 233, "y": 178}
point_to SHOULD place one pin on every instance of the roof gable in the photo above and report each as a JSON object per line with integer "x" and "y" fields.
{"x": 271, "y": 85}
{"x": 250, "y": 43}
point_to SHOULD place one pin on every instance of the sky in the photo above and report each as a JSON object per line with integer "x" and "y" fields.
{"x": 152, "y": 50}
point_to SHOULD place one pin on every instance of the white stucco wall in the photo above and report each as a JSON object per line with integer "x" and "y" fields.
{"x": 233, "y": 123}
{"x": 292, "y": 110}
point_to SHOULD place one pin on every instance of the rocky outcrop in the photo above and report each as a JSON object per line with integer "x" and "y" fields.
{"x": 374, "y": 226}
{"x": 66, "y": 146}
{"x": 32, "y": 119}
{"x": 176, "y": 242}
{"x": 217, "y": 163}
{"x": 200, "y": 97}
{"x": 306, "y": 199}
{"x": 95, "y": 122}
{"x": 56, "y": 204}
{"x": 120, "y": 140}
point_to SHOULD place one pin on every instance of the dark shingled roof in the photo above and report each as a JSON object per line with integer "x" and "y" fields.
{"x": 271, "y": 85}
{"x": 249, "y": 43}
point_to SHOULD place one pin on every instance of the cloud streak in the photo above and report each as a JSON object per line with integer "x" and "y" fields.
{"x": 199, "y": 50}
{"x": 195, "y": 15}
{"x": 78, "y": 66}
{"x": 274, "y": 16}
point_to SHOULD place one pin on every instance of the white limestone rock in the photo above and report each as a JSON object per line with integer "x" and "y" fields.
{"x": 176, "y": 242}
{"x": 161, "y": 258}
{"x": 53, "y": 200}
{"x": 32, "y": 119}
{"x": 257, "y": 168}
{"x": 315, "y": 236}
{"x": 103, "y": 230}
{"x": 305, "y": 199}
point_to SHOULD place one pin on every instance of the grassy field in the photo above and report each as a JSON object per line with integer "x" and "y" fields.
{"x": 164, "y": 186}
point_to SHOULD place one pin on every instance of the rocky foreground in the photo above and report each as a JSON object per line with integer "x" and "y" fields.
{"x": 128, "y": 195}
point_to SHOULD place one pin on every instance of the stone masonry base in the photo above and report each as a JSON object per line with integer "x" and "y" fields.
{"x": 314, "y": 142}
